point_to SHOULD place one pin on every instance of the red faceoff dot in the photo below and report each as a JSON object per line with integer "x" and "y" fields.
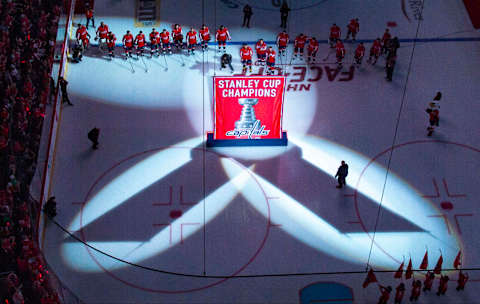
{"x": 175, "y": 214}
{"x": 446, "y": 205}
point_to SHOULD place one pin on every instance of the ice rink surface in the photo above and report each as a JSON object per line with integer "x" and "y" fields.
{"x": 154, "y": 197}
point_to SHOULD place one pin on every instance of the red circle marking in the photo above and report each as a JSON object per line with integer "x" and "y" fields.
{"x": 355, "y": 195}
{"x": 262, "y": 244}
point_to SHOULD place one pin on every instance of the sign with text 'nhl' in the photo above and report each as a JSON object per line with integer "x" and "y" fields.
{"x": 248, "y": 107}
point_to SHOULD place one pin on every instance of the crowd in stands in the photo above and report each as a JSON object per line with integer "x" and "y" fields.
{"x": 28, "y": 31}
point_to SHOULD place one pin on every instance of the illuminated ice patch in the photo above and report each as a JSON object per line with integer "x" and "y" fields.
{"x": 399, "y": 197}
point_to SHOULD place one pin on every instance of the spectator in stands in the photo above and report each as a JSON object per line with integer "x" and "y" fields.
{"x": 27, "y": 38}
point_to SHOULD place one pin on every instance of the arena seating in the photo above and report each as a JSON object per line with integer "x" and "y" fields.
{"x": 28, "y": 31}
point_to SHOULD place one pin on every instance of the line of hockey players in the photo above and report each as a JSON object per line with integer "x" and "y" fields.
{"x": 162, "y": 42}
{"x": 386, "y": 45}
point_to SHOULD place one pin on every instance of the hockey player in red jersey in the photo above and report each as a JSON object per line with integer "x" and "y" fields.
{"x": 154, "y": 41}
{"x": 434, "y": 117}
{"x": 442, "y": 287}
{"x": 416, "y": 287}
{"x": 177, "y": 36}
{"x": 282, "y": 42}
{"x": 384, "y": 294}
{"x": 359, "y": 53}
{"x": 140, "y": 43}
{"x": 352, "y": 29}
{"x": 462, "y": 280}
{"x": 191, "y": 40}
{"x": 312, "y": 49}
{"x": 386, "y": 40}
{"x": 429, "y": 278}
{"x": 127, "y": 41}
{"x": 89, "y": 16}
{"x": 399, "y": 293}
{"x": 222, "y": 36}
{"x": 335, "y": 33}
{"x": 299, "y": 45}
{"x": 165, "y": 39}
{"x": 204, "y": 37}
{"x": 111, "y": 43}
{"x": 271, "y": 54}
{"x": 102, "y": 32}
{"x": 246, "y": 57}
{"x": 261, "y": 49}
{"x": 340, "y": 52}
{"x": 82, "y": 35}
{"x": 375, "y": 51}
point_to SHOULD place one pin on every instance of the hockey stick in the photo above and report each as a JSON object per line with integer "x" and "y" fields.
{"x": 291, "y": 60}
{"x": 328, "y": 55}
{"x": 144, "y": 64}
{"x": 166, "y": 64}
{"x": 181, "y": 57}
{"x": 131, "y": 64}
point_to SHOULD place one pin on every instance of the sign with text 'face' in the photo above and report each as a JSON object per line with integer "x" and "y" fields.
{"x": 248, "y": 107}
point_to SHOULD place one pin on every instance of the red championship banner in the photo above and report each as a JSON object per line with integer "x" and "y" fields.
{"x": 248, "y": 107}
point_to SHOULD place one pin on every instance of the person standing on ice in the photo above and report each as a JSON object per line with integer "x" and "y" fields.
{"x": 390, "y": 66}
{"x": 204, "y": 36}
{"x": 89, "y": 16}
{"x": 222, "y": 36}
{"x": 284, "y": 9}
{"x": 393, "y": 46}
{"x": 247, "y": 14}
{"x": 375, "y": 51}
{"x": 385, "y": 294}
{"x": 429, "y": 278}
{"x": 462, "y": 280}
{"x": 63, "y": 88}
{"x": 246, "y": 53}
{"x": 342, "y": 173}
{"x": 352, "y": 29}
{"x": 271, "y": 54}
{"x": 399, "y": 293}
{"x": 443, "y": 286}
{"x": 359, "y": 53}
{"x": 416, "y": 290}
{"x": 282, "y": 42}
{"x": 93, "y": 137}
{"x": 127, "y": 41}
{"x": 434, "y": 118}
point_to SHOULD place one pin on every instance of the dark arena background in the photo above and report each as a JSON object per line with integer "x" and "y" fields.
{"x": 110, "y": 194}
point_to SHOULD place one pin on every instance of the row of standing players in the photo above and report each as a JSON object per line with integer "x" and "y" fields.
{"x": 163, "y": 41}
{"x": 159, "y": 41}
{"x": 417, "y": 287}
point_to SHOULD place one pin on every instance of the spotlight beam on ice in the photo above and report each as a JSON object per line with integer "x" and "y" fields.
{"x": 78, "y": 258}
{"x": 399, "y": 197}
{"x": 133, "y": 181}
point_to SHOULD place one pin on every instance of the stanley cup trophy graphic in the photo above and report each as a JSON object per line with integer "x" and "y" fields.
{"x": 247, "y": 118}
